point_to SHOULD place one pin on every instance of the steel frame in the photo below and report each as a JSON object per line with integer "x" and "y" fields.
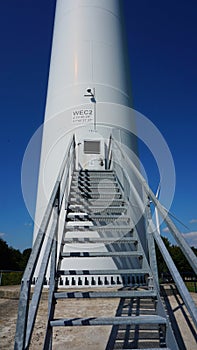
{"x": 48, "y": 237}
{"x": 187, "y": 251}
{"x": 47, "y": 234}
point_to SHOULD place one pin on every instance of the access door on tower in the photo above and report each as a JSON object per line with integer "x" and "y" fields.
{"x": 91, "y": 154}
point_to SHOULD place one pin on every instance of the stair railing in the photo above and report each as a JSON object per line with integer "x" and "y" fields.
{"x": 44, "y": 250}
{"x": 189, "y": 254}
{"x": 109, "y": 154}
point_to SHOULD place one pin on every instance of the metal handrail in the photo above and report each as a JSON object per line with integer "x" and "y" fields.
{"x": 189, "y": 254}
{"x": 26, "y": 311}
{"x": 109, "y": 153}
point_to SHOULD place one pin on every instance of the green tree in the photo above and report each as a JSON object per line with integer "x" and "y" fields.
{"x": 24, "y": 258}
{"x": 178, "y": 257}
{"x": 12, "y": 259}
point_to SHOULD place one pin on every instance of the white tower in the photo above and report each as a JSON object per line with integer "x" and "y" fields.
{"x": 88, "y": 91}
{"x": 90, "y": 210}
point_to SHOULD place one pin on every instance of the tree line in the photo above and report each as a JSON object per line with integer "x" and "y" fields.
{"x": 178, "y": 257}
{"x": 13, "y": 259}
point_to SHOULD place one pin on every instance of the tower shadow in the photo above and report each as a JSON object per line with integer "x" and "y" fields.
{"x": 135, "y": 336}
{"x": 180, "y": 306}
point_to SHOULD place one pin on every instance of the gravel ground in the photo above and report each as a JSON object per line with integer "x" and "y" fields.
{"x": 71, "y": 338}
{"x": 80, "y": 338}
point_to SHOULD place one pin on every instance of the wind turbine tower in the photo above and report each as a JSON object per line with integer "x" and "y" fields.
{"x": 94, "y": 221}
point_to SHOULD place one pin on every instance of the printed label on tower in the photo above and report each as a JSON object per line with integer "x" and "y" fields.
{"x": 82, "y": 115}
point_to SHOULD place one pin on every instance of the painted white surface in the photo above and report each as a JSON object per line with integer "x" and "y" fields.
{"x": 88, "y": 51}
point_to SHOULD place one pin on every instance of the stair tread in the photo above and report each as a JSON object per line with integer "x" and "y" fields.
{"x": 100, "y": 254}
{"x": 96, "y": 207}
{"x": 102, "y": 184}
{"x": 88, "y": 185}
{"x": 94, "y": 176}
{"x": 95, "y": 321}
{"x": 77, "y": 213}
{"x": 104, "y": 272}
{"x": 105, "y": 190}
{"x": 98, "y": 216}
{"x": 97, "y": 182}
{"x": 78, "y": 223}
{"x": 90, "y": 226}
{"x": 100, "y": 240}
{"x": 111, "y": 195}
{"x": 115, "y": 294}
{"x": 116, "y": 200}
{"x": 94, "y": 171}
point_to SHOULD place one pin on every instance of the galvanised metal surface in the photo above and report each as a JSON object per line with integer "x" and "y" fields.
{"x": 151, "y": 242}
{"x": 189, "y": 254}
{"x": 118, "y": 294}
{"x": 102, "y": 225}
{"x": 107, "y": 321}
{"x": 33, "y": 308}
{"x": 187, "y": 251}
{"x": 104, "y": 272}
{"x": 140, "y": 275}
{"x": 26, "y": 311}
{"x": 186, "y": 296}
{"x": 150, "y": 349}
{"x": 136, "y": 254}
{"x": 100, "y": 240}
{"x": 52, "y": 287}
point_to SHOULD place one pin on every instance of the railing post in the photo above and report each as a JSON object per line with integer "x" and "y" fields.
{"x": 151, "y": 242}
{"x": 39, "y": 284}
{"x": 27, "y": 313}
{"x": 109, "y": 153}
{"x": 52, "y": 286}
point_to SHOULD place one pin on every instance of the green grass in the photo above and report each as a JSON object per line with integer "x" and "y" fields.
{"x": 11, "y": 278}
{"x": 191, "y": 286}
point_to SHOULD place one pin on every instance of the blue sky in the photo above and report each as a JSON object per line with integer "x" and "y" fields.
{"x": 162, "y": 38}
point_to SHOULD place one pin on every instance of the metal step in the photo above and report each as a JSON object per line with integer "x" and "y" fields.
{"x": 97, "y": 217}
{"x": 95, "y": 176}
{"x": 82, "y": 225}
{"x": 101, "y": 254}
{"x": 110, "y": 217}
{"x": 74, "y": 224}
{"x": 103, "y": 272}
{"x": 105, "y": 321}
{"x": 94, "y": 172}
{"x": 148, "y": 349}
{"x": 106, "y": 171}
{"x": 85, "y": 208}
{"x": 116, "y": 294}
{"x": 99, "y": 201}
{"x": 80, "y": 214}
{"x": 96, "y": 183}
{"x": 75, "y": 206}
{"x": 90, "y": 185}
{"x": 95, "y": 189}
{"x": 94, "y": 180}
{"x": 107, "y": 240}
{"x": 110, "y": 209}
{"x": 96, "y": 195}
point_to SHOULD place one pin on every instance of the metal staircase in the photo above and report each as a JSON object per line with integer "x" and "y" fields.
{"x": 97, "y": 218}
{"x": 98, "y": 228}
{"x": 106, "y": 225}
